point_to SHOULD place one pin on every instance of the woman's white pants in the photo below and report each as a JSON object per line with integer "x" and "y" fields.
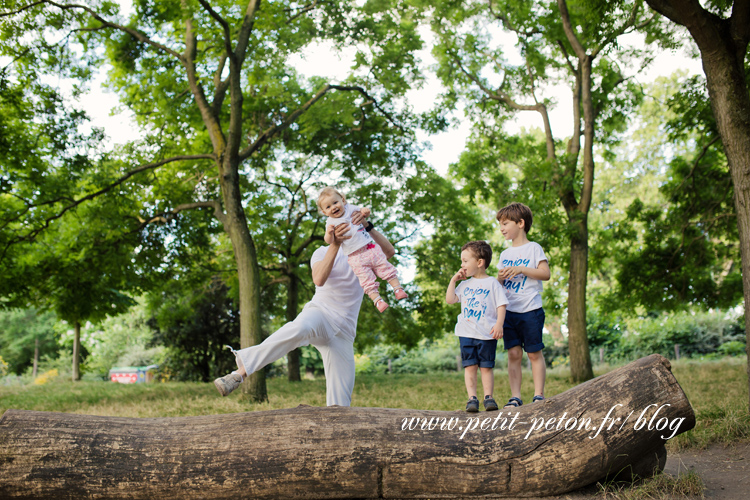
{"x": 311, "y": 327}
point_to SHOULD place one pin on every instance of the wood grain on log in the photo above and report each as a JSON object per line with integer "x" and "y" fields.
{"x": 336, "y": 452}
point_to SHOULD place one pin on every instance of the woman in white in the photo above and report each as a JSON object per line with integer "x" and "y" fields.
{"x": 328, "y": 322}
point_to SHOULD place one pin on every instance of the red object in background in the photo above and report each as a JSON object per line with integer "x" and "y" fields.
{"x": 124, "y": 378}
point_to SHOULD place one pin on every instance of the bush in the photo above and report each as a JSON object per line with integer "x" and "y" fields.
{"x": 710, "y": 334}
{"x": 696, "y": 333}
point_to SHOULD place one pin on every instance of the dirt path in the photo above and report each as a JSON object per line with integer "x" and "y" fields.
{"x": 725, "y": 472}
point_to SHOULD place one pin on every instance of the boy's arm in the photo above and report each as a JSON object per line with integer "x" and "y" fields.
{"x": 497, "y": 330}
{"x": 541, "y": 273}
{"x": 450, "y": 294}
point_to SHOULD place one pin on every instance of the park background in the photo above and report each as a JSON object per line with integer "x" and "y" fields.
{"x": 184, "y": 220}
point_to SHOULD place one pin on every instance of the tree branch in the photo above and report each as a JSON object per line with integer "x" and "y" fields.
{"x": 220, "y": 86}
{"x": 166, "y": 216}
{"x": 740, "y": 25}
{"x": 508, "y": 25}
{"x": 630, "y": 22}
{"x": 568, "y": 29}
{"x": 141, "y": 37}
{"x": 222, "y": 22}
{"x": 496, "y": 96}
{"x": 31, "y": 235}
{"x": 243, "y": 37}
{"x": 292, "y": 117}
{"x": 303, "y": 10}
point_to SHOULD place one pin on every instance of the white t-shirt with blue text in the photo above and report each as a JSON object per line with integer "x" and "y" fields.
{"x": 480, "y": 299}
{"x": 524, "y": 293}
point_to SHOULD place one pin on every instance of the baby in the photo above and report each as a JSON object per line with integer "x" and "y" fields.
{"x": 365, "y": 257}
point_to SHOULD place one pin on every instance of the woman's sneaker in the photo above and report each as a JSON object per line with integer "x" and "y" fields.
{"x": 228, "y": 383}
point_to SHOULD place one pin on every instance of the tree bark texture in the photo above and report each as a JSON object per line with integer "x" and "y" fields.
{"x": 77, "y": 351}
{"x": 723, "y": 46}
{"x": 578, "y": 210}
{"x": 341, "y": 452}
{"x": 292, "y": 303}
{"x": 35, "y": 369}
{"x": 248, "y": 275}
{"x": 578, "y": 342}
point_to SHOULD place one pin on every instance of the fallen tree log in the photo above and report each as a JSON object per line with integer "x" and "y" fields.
{"x": 616, "y": 422}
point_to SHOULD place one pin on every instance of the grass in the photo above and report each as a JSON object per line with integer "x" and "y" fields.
{"x": 718, "y": 392}
{"x": 687, "y": 485}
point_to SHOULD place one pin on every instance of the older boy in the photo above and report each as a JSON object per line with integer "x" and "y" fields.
{"x": 480, "y": 323}
{"x": 523, "y": 267}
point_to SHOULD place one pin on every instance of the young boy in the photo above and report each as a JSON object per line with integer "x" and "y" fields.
{"x": 480, "y": 323}
{"x": 523, "y": 267}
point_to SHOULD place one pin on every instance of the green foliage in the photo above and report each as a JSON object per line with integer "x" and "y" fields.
{"x": 687, "y": 254}
{"x": 21, "y": 332}
{"x": 700, "y": 334}
{"x": 194, "y": 329}
{"x": 428, "y": 356}
{"x": 120, "y": 340}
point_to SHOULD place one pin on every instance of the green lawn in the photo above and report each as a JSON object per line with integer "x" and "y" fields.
{"x": 718, "y": 391}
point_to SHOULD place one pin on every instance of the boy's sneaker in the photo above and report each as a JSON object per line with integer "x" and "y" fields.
{"x": 473, "y": 405}
{"x": 400, "y": 294}
{"x": 381, "y": 304}
{"x": 489, "y": 404}
{"x": 228, "y": 383}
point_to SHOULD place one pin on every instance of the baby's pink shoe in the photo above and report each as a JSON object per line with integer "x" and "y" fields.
{"x": 381, "y": 304}
{"x": 400, "y": 294}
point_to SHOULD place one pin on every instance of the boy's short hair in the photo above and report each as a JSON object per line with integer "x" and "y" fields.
{"x": 481, "y": 250}
{"x": 328, "y": 191}
{"x": 516, "y": 212}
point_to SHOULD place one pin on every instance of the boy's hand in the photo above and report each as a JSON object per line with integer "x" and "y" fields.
{"x": 497, "y": 331}
{"x": 460, "y": 275}
{"x": 509, "y": 272}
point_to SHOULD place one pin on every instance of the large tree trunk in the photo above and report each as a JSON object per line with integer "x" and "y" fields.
{"x": 35, "y": 369}
{"x": 337, "y": 452}
{"x": 723, "y": 46}
{"x": 248, "y": 275}
{"x": 76, "y": 351}
{"x": 578, "y": 342}
{"x": 730, "y": 102}
{"x": 292, "y": 304}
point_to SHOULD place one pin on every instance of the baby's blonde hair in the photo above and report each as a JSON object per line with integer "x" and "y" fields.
{"x": 329, "y": 191}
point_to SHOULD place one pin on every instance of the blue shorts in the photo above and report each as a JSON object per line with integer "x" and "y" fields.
{"x": 477, "y": 352}
{"x": 524, "y": 329}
